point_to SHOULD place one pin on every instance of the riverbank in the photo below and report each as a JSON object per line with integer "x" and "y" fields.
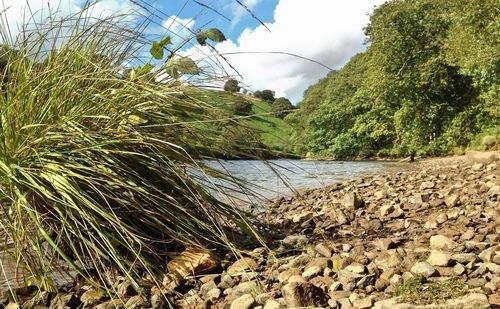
{"x": 425, "y": 236}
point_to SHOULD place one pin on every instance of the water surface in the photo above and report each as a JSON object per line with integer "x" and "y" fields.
{"x": 274, "y": 178}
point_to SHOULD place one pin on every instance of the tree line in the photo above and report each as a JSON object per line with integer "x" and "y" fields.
{"x": 427, "y": 84}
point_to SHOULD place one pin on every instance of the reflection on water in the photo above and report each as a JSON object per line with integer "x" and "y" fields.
{"x": 280, "y": 177}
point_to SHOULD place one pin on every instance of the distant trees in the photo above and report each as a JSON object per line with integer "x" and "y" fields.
{"x": 426, "y": 85}
{"x": 266, "y": 95}
{"x": 231, "y": 85}
{"x": 281, "y": 107}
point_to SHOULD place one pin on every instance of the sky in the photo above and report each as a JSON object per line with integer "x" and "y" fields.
{"x": 329, "y": 32}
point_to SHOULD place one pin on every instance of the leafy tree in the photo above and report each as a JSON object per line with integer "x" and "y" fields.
{"x": 231, "y": 85}
{"x": 266, "y": 95}
{"x": 242, "y": 107}
{"x": 427, "y": 83}
{"x": 281, "y": 107}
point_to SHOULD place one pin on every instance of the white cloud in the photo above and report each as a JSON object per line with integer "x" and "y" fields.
{"x": 239, "y": 11}
{"x": 16, "y": 13}
{"x": 327, "y": 31}
{"x": 178, "y": 28}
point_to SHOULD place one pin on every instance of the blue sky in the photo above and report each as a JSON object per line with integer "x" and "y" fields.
{"x": 327, "y": 31}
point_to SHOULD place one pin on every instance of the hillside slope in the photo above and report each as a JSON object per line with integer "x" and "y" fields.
{"x": 259, "y": 129}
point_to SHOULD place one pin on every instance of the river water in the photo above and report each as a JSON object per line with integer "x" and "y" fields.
{"x": 264, "y": 180}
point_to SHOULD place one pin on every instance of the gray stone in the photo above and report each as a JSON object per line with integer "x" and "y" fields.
{"x": 243, "y": 302}
{"x": 363, "y": 303}
{"x": 248, "y": 287}
{"x": 452, "y": 200}
{"x": 440, "y": 242}
{"x": 423, "y": 269}
{"x": 303, "y": 295}
{"x": 352, "y": 200}
{"x": 272, "y": 304}
{"x": 285, "y": 275}
{"x": 295, "y": 241}
{"x": 438, "y": 258}
{"x": 323, "y": 250}
{"x": 427, "y": 185}
{"x": 241, "y": 266}
{"x": 312, "y": 272}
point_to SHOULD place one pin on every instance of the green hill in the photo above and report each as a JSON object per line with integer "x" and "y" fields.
{"x": 257, "y": 129}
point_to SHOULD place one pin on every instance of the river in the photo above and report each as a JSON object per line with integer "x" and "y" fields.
{"x": 264, "y": 180}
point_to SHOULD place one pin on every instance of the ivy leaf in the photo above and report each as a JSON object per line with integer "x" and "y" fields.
{"x": 156, "y": 50}
{"x": 215, "y": 35}
{"x": 165, "y": 41}
{"x": 202, "y": 38}
{"x": 183, "y": 65}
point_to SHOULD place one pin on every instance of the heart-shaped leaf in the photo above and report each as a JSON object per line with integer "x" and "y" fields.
{"x": 215, "y": 35}
{"x": 156, "y": 50}
{"x": 201, "y": 37}
{"x": 182, "y": 65}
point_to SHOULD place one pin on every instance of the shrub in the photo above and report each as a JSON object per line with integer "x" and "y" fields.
{"x": 266, "y": 95}
{"x": 282, "y": 107}
{"x": 242, "y": 107}
{"x": 93, "y": 166}
{"x": 232, "y": 86}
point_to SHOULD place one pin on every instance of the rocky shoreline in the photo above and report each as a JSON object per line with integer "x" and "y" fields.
{"x": 427, "y": 238}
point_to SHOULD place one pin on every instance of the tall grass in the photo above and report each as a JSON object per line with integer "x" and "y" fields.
{"x": 94, "y": 164}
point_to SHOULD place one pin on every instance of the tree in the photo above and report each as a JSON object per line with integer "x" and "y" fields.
{"x": 242, "y": 107}
{"x": 266, "y": 95}
{"x": 281, "y": 107}
{"x": 232, "y": 86}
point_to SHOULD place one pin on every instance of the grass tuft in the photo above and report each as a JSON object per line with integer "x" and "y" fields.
{"x": 99, "y": 170}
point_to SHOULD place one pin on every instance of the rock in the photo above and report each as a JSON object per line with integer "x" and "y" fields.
{"x": 285, "y": 275}
{"x": 64, "y": 300}
{"x": 303, "y": 295}
{"x": 91, "y": 297}
{"x": 243, "y": 302}
{"x": 487, "y": 254}
{"x": 470, "y": 301}
{"x": 356, "y": 268}
{"x": 390, "y": 211}
{"x": 388, "y": 259}
{"x": 441, "y": 218}
{"x": 380, "y": 195}
{"x": 226, "y": 282}
{"x": 241, "y": 266}
{"x": 423, "y": 269}
{"x": 247, "y": 287}
{"x": 476, "y": 282}
{"x": 213, "y": 294}
{"x": 452, "y": 200}
{"x": 438, "y": 258}
{"x": 363, "y": 303}
{"x": 427, "y": 185}
{"x": 295, "y": 241}
{"x": 136, "y": 302}
{"x": 323, "y": 250}
{"x": 459, "y": 269}
{"x": 440, "y": 242}
{"x": 477, "y": 167}
{"x": 346, "y": 277}
{"x": 12, "y": 306}
{"x": 312, "y": 272}
{"x": 467, "y": 235}
{"x": 352, "y": 200}
{"x": 192, "y": 261}
{"x": 125, "y": 289}
{"x": 340, "y": 217}
{"x": 272, "y": 304}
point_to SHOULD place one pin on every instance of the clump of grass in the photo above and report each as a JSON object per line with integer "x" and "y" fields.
{"x": 96, "y": 166}
{"x": 416, "y": 291}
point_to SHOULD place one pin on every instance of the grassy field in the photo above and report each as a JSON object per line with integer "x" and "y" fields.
{"x": 273, "y": 132}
